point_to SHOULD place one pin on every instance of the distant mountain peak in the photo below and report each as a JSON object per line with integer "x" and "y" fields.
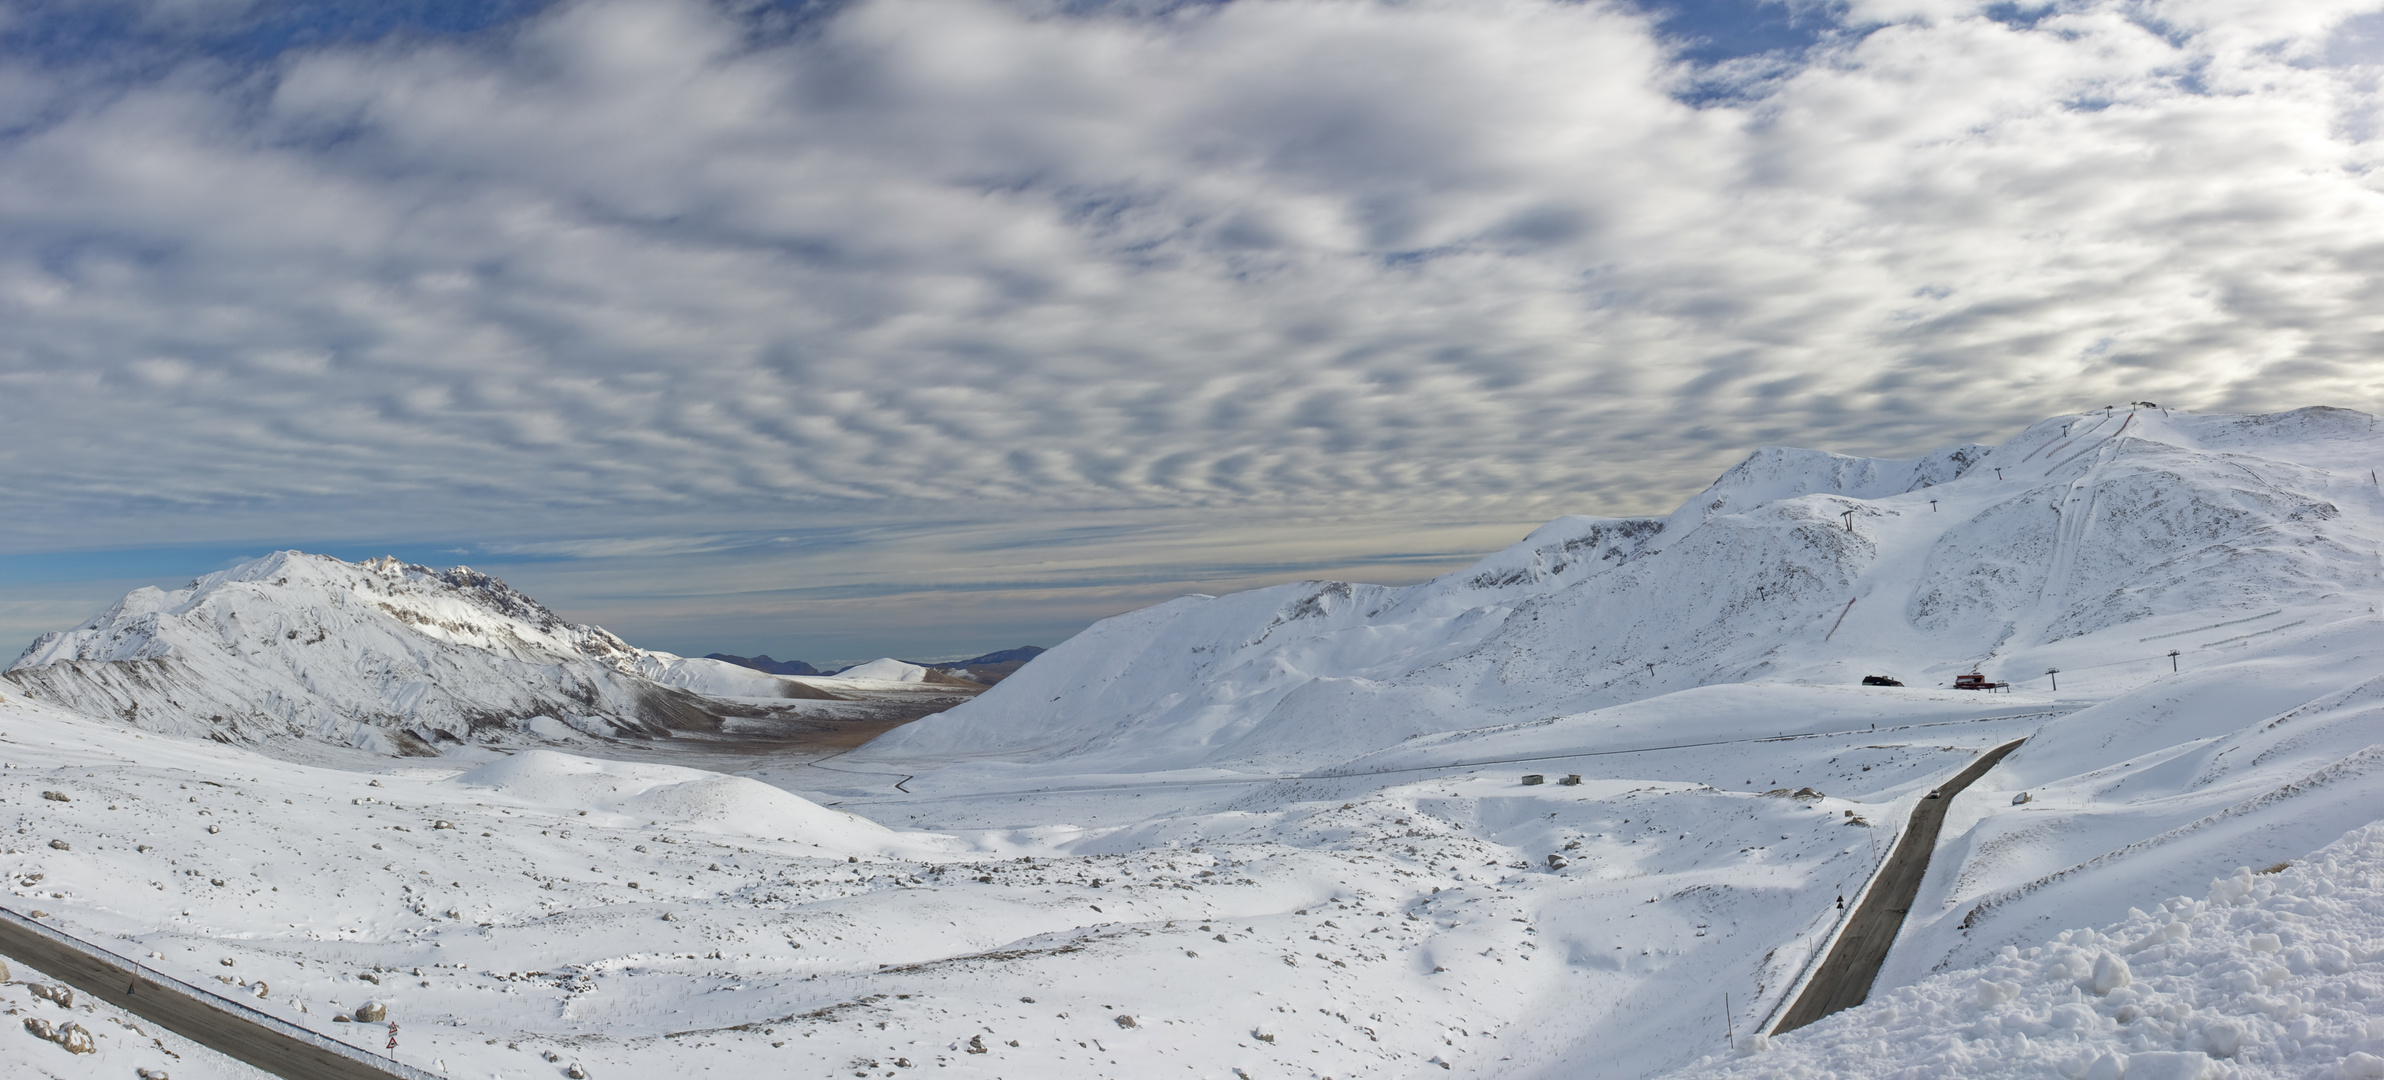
{"x": 764, "y": 663}
{"x": 1019, "y": 654}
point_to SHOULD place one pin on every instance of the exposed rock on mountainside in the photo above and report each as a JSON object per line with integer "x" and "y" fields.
{"x": 389, "y": 657}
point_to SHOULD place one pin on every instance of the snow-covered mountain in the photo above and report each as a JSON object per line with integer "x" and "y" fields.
{"x": 2075, "y": 545}
{"x": 1291, "y": 833}
{"x": 2208, "y": 587}
{"x": 384, "y": 656}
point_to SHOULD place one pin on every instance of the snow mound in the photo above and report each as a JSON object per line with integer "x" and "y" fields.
{"x": 2270, "y": 975}
{"x": 670, "y": 796}
{"x": 884, "y": 669}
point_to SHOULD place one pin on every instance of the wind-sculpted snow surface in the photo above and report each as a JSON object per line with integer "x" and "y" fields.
{"x": 378, "y": 655}
{"x": 2277, "y": 973}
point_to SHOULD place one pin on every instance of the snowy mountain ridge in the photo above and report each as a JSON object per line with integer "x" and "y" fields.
{"x": 378, "y": 655}
{"x": 1291, "y": 832}
{"x": 2060, "y": 548}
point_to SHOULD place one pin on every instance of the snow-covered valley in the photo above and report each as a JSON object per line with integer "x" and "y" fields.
{"x": 1286, "y": 833}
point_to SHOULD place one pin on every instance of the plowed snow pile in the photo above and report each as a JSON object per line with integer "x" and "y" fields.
{"x": 2272, "y": 975}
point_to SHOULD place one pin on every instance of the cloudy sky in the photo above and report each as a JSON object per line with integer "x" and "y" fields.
{"x": 842, "y": 327}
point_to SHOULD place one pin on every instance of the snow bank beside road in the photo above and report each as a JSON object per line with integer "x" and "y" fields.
{"x": 2271, "y": 975}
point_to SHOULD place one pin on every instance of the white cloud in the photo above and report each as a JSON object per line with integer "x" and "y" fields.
{"x": 629, "y": 269}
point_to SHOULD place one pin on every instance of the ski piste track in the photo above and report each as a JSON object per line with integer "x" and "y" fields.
{"x": 1843, "y": 978}
{"x": 210, "y": 1020}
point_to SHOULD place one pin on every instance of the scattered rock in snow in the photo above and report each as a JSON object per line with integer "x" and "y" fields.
{"x": 74, "y": 1037}
{"x": 371, "y": 1012}
{"x": 56, "y": 796}
{"x": 61, "y": 845}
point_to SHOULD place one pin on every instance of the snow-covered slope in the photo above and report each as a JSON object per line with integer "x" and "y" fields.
{"x": 2273, "y": 973}
{"x": 378, "y": 655}
{"x": 1287, "y": 833}
{"x": 2208, "y": 587}
{"x": 2075, "y": 545}
{"x": 886, "y": 669}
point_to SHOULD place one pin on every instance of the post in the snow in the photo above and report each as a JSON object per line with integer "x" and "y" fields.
{"x": 1932, "y": 506}
{"x": 1849, "y": 516}
{"x": 1999, "y": 474}
{"x": 2172, "y": 661}
{"x": 2054, "y": 674}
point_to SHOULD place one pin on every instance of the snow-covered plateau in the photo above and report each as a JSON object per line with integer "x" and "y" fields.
{"x": 1287, "y": 833}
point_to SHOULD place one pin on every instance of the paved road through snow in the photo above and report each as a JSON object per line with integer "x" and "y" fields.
{"x": 185, "y": 1012}
{"x": 1844, "y": 978}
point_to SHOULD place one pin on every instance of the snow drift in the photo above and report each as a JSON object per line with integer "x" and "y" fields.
{"x": 2270, "y": 974}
